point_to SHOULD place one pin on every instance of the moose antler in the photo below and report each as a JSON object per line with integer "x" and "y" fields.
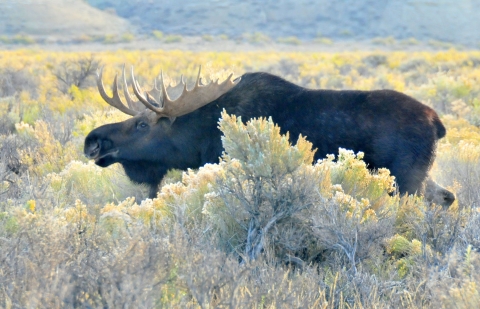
{"x": 185, "y": 102}
{"x": 114, "y": 101}
{"x": 188, "y": 101}
{"x": 134, "y": 105}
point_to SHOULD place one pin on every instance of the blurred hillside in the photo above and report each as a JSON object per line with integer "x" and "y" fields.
{"x": 57, "y": 19}
{"x": 446, "y": 20}
{"x": 453, "y": 21}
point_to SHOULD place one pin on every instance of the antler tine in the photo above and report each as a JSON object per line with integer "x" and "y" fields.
{"x": 174, "y": 92}
{"x": 138, "y": 92}
{"x": 188, "y": 101}
{"x": 199, "y": 79}
{"x": 229, "y": 80}
{"x": 126, "y": 93}
{"x": 165, "y": 96}
{"x": 184, "y": 84}
{"x": 114, "y": 101}
{"x": 155, "y": 92}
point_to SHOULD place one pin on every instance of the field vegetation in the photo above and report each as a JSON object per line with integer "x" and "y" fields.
{"x": 265, "y": 228}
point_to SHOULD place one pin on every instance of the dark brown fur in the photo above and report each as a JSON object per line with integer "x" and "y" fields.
{"x": 392, "y": 129}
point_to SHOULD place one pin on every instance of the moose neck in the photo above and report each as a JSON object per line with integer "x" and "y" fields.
{"x": 143, "y": 172}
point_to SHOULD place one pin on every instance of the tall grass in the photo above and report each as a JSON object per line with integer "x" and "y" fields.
{"x": 266, "y": 227}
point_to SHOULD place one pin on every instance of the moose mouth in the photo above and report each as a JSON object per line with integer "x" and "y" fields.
{"x": 111, "y": 153}
{"x": 104, "y": 159}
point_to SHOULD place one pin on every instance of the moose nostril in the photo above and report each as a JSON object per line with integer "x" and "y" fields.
{"x": 449, "y": 197}
{"x": 93, "y": 150}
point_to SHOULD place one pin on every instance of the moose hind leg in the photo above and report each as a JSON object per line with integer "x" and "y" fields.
{"x": 410, "y": 176}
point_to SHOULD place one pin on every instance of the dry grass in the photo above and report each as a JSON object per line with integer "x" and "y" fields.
{"x": 233, "y": 235}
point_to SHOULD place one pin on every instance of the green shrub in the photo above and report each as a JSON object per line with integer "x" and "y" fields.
{"x": 257, "y": 38}
{"x": 23, "y": 39}
{"x": 410, "y": 42}
{"x": 262, "y": 184}
{"x": 127, "y": 37}
{"x": 207, "y": 37}
{"x": 324, "y": 41}
{"x": 173, "y": 38}
{"x": 291, "y": 40}
{"x": 5, "y": 39}
{"x": 387, "y": 41}
{"x": 109, "y": 39}
{"x": 269, "y": 193}
{"x": 158, "y": 34}
{"x": 89, "y": 183}
{"x": 440, "y": 44}
{"x": 84, "y": 38}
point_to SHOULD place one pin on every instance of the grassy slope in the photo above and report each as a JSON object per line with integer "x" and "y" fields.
{"x": 57, "y": 18}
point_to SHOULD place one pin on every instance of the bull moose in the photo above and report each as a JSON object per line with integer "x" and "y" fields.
{"x": 177, "y": 128}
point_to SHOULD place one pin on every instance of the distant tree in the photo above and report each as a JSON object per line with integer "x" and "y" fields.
{"x": 76, "y": 73}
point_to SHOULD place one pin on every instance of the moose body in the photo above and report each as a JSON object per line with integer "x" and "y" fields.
{"x": 393, "y": 130}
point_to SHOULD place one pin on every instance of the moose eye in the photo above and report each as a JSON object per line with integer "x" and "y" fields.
{"x": 142, "y": 125}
